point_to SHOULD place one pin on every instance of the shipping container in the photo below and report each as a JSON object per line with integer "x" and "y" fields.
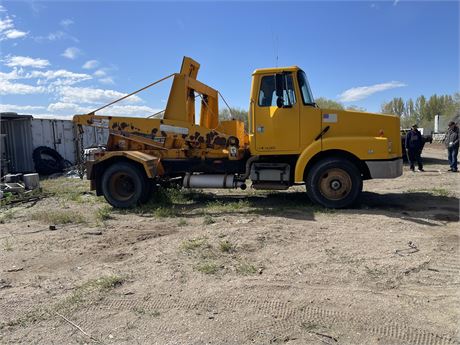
{"x": 16, "y": 142}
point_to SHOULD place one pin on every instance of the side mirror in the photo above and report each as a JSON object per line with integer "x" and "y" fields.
{"x": 279, "y": 81}
{"x": 279, "y": 85}
{"x": 280, "y": 102}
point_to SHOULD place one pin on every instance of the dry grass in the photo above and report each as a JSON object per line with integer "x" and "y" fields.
{"x": 58, "y": 217}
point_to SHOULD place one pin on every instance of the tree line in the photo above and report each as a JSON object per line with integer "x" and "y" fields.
{"x": 422, "y": 111}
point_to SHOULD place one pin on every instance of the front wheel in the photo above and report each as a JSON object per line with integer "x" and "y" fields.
{"x": 124, "y": 185}
{"x": 334, "y": 183}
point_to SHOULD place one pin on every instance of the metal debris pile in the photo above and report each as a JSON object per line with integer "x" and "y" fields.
{"x": 19, "y": 187}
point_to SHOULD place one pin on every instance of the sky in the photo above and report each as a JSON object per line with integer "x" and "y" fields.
{"x": 59, "y": 58}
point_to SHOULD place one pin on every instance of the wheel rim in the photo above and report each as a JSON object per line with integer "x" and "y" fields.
{"x": 335, "y": 184}
{"x": 122, "y": 186}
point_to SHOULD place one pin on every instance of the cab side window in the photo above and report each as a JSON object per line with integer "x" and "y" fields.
{"x": 267, "y": 92}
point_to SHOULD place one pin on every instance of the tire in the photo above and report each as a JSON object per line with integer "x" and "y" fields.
{"x": 334, "y": 183}
{"x": 124, "y": 185}
{"x": 47, "y": 161}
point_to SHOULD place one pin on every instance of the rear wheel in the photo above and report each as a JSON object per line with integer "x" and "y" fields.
{"x": 334, "y": 183}
{"x": 124, "y": 185}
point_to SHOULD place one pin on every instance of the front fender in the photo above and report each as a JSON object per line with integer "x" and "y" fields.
{"x": 364, "y": 148}
{"x": 304, "y": 158}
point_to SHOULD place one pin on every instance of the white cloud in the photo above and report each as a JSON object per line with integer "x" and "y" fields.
{"x": 55, "y": 36}
{"x": 361, "y": 92}
{"x": 71, "y": 53}
{"x": 86, "y": 95}
{"x": 100, "y": 73}
{"x": 66, "y": 23}
{"x": 12, "y": 75}
{"x": 129, "y": 110}
{"x": 12, "y": 34}
{"x": 61, "y": 77}
{"x": 7, "y": 28}
{"x": 25, "y": 61}
{"x": 63, "y": 108}
{"x": 8, "y": 88}
{"x": 107, "y": 80}
{"x": 90, "y": 64}
{"x": 19, "y": 108}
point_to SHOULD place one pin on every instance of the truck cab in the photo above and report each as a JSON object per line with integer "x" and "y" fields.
{"x": 323, "y": 148}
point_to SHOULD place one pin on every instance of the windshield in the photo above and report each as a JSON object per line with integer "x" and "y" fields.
{"x": 307, "y": 97}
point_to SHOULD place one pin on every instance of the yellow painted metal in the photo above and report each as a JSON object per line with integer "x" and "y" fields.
{"x": 273, "y": 70}
{"x": 362, "y": 147}
{"x": 272, "y": 131}
{"x": 151, "y": 164}
{"x": 282, "y": 130}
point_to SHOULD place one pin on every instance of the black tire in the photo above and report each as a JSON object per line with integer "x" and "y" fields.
{"x": 47, "y": 161}
{"x": 334, "y": 183}
{"x": 124, "y": 185}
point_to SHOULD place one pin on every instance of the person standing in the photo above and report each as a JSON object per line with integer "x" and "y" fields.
{"x": 414, "y": 145}
{"x": 452, "y": 145}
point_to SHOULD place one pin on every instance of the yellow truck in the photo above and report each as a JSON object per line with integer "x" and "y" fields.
{"x": 290, "y": 141}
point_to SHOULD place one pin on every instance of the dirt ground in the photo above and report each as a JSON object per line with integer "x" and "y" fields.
{"x": 235, "y": 267}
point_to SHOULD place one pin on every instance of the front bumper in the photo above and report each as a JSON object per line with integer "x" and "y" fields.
{"x": 385, "y": 169}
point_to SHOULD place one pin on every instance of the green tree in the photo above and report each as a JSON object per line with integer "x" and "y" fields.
{"x": 235, "y": 114}
{"x": 420, "y": 108}
{"x": 328, "y": 103}
{"x": 396, "y": 107}
{"x": 356, "y": 108}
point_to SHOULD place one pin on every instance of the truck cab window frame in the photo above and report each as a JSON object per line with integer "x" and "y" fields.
{"x": 304, "y": 86}
{"x": 267, "y": 91}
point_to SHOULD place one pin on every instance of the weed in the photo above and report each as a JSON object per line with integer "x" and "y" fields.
{"x": 163, "y": 212}
{"x": 207, "y": 267}
{"x": 7, "y": 245}
{"x": 246, "y": 268}
{"x": 229, "y": 206}
{"x": 58, "y": 217}
{"x": 85, "y": 291}
{"x": 75, "y": 190}
{"x": 227, "y": 247}
{"x": 208, "y": 220}
{"x": 6, "y": 216}
{"x": 80, "y": 295}
{"x": 195, "y": 243}
{"x": 142, "y": 311}
{"x": 182, "y": 222}
{"x": 104, "y": 213}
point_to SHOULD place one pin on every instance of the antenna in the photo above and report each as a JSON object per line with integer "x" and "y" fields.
{"x": 275, "y": 46}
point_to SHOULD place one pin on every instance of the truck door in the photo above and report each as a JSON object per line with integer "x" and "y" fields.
{"x": 276, "y": 115}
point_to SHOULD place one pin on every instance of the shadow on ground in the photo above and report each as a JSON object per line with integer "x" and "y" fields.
{"x": 419, "y": 207}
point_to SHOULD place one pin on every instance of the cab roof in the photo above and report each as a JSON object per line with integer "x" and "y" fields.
{"x": 275, "y": 70}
